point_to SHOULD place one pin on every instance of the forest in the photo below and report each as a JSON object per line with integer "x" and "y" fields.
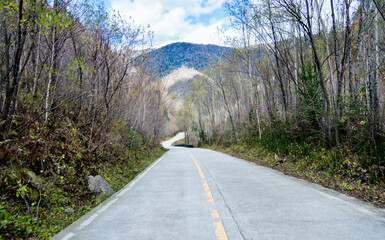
{"x": 302, "y": 92}
{"x": 72, "y": 105}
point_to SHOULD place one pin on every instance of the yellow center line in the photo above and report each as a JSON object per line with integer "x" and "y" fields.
{"x": 198, "y": 167}
{"x": 215, "y": 214}
{"x": 206, "y": 186}
{"x": 220, "y": 231}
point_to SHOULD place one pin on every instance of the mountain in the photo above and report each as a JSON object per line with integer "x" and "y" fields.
{"x": 166, "y": 59}
{"x": 177, "y": 65}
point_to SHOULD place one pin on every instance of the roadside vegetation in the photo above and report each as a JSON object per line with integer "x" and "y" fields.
{"x": 35, "y": 208}
{"x": 341, "y": 168}
{"x": 301, "y": 92}
{"x": 73, "y": 103}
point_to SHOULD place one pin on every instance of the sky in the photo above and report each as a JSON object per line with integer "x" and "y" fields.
{"x": 195, "y": 21}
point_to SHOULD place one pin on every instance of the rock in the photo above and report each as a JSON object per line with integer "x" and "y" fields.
{"x": 69, "y": 211}
{"x": 277, "y": 160}
{"x": 98, "y": 185}
{"x": 42, "y": 141}
{"x": 33, "y": 178}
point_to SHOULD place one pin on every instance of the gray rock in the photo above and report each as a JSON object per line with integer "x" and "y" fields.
{"x": 69, "y": 211}
{"x": 98, "y": 185}
{"x": 277, "y": 160}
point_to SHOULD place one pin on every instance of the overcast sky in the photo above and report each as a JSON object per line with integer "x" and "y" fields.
{"x": 195, "y": 21}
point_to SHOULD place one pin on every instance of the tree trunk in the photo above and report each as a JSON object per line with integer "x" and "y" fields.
{"x": 52, "y": 68}
{"x": 375, "y": 78}
{"x": 338, "y": 109}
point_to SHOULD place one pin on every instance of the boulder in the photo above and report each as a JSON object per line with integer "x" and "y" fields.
{"x": 277, "y": 160}
{"x": 34, "y": 179}
{"x": 98, "y": 185}
{"x": 69, "y": 211}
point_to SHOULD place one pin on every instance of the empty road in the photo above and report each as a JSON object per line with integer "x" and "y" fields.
{"x": 202, "y": 194}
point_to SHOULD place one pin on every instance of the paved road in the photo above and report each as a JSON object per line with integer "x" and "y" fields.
{"x": 202, "y": 194}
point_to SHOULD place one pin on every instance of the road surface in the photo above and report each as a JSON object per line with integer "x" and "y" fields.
{"x": 202, "y": 194}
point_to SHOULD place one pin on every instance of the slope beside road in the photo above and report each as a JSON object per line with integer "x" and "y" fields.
{"x": 203, "y": 194}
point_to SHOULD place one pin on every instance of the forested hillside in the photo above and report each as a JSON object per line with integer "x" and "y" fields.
{"x": 303, "y": 92}
{"x": 164, "y": 60}
{"x": 72, "y": 105}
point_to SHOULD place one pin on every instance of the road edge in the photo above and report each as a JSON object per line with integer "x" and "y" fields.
{"x": 331, "y": 193}
{"x": 68, "y": 232}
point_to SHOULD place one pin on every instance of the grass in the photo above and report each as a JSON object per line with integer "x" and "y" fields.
{"x": 181, "y": 141}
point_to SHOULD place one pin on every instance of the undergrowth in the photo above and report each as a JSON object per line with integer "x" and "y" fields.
{"x": 44, "y": 172}
{"x": 353, "y": 169}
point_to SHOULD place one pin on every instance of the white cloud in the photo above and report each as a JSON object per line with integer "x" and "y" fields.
{"x": 200, "y": 33}
{"x": 169, "y": 19}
